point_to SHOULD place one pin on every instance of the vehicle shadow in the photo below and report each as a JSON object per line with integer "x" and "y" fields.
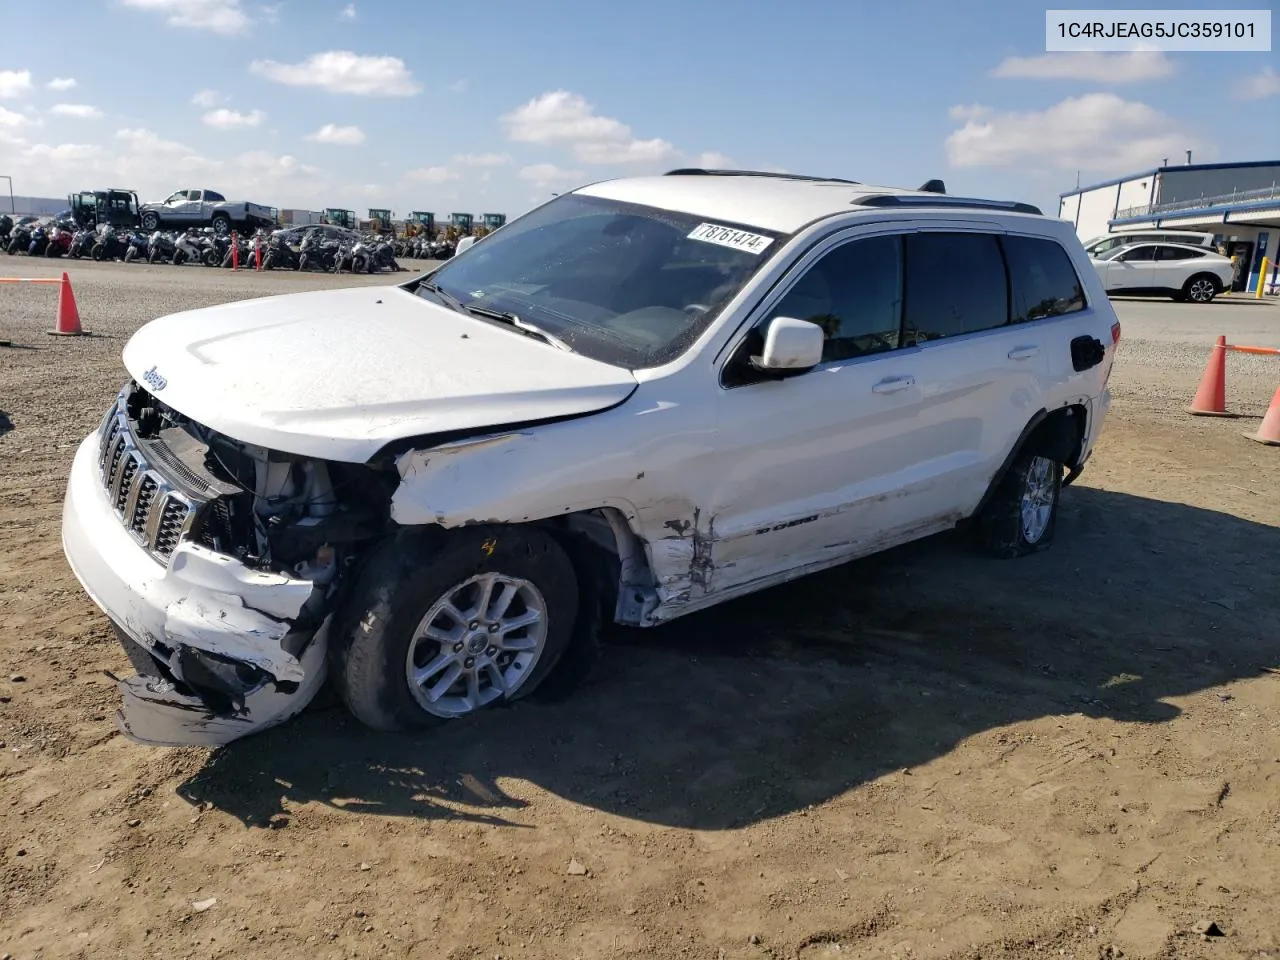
{"x": 784, "y": 699}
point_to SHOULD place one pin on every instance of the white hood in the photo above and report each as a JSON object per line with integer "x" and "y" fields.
{"x": 336, "y": 374}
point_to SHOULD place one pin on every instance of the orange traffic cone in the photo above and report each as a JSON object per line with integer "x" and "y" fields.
{"x": 1269, "y": 432}
{"x": 1211, "y": 397}
{"x": 68, "y": 315}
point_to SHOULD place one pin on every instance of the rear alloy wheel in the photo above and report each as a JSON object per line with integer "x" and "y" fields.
{"x": 1201, "y": 288}
{"x": 442, "y": 627}
{"x": 1022, "y": 515}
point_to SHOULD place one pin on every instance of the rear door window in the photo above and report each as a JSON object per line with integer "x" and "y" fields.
{"x": 955, "y": 284}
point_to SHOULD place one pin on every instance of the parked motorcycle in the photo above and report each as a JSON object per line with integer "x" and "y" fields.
{"x": 382, "y": 257}
{"x": 6, "y": 227}
{"x": 20, "y": 235}
{"x": 161, "y": 247}
{"x": 189, "y": 246}
{"x": 137, "y": 247}
{"x": 39, "y": 240}
{"x": 317, "y": 253}
{"x": 279, "y": 255}
{"x": 81, "y": 243}
{"x": 108, "y": 245}
{"x": 60, "y": 237}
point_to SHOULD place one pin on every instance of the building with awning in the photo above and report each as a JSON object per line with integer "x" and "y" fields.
{"x": 1239, "y": 203}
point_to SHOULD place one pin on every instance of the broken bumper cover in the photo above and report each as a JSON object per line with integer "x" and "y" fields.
{"x": 219, "y": 633}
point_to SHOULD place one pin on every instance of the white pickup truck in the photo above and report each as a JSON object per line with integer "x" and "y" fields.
{"x": 205, "y": 208}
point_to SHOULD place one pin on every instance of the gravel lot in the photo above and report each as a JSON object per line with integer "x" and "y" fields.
{"x": 921, "y": 755}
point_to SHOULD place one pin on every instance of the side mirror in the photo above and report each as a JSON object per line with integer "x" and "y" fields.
{"x": 790, "y": 346}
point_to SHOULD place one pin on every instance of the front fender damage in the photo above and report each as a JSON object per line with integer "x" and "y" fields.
{"x": 235, "y": 657}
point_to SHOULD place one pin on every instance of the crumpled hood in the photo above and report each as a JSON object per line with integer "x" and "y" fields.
{"x": 336, "y": 374}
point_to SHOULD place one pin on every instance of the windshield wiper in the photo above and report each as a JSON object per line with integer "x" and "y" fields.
{"x": 450, "y": 301}
{"x": 524, "y": 326}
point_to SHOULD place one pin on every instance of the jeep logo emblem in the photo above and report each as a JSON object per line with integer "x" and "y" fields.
{"x": 154, "y": 380}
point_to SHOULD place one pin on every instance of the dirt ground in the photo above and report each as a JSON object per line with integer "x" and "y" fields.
{"x": 921, "y": 755}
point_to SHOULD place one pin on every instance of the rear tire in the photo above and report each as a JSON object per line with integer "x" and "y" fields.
{"x": 1201, "y": 288}
{"x": 381, "y": 635}
{"x": 1021, "y": 517}
{"x": 222, "y": 225}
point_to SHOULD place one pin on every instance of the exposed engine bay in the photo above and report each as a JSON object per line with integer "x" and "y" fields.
{"x": 259, "y": 542}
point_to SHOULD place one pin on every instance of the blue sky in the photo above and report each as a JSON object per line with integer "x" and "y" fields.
{"x": 491, "y": 106}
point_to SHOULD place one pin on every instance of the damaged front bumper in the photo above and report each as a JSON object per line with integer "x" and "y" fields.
{"x": 226, "y": 656}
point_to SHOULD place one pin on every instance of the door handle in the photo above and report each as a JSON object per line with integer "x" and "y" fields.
{"x": 1023, "y": 353}
{"x": 893, "y": 384}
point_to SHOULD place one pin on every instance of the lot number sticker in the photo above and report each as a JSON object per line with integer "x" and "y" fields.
{"x": 729, "y": 237}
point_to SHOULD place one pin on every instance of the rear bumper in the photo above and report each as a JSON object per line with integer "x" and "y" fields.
{"x": 219, "y": 633}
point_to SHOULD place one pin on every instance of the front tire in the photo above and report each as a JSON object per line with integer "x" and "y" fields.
{"x": 1022, "y": 515}
{"x": 441, "y": 627}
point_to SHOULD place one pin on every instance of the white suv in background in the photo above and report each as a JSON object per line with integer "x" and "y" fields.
{"x": 640, "y": 399}
{"x": 1164, "y": 269}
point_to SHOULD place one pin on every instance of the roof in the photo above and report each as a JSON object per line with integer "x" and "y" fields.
{"x": 1170, "y": 168}
{"x": 779, "y": 203}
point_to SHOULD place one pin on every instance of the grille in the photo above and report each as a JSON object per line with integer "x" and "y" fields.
{"x": 154, "y": 513}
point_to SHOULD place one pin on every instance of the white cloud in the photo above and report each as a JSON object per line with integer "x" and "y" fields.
{"x": 549, "y": 175}
{"x": 482, "y": 159}
{"x": 208, "y": 98}
{"x": 630, "y": 151}
{"x": 348, "y": 12}
{"x": 1264, "y": 83}
{"x": 1097, "y": 67}
{"x": 332, "y": 133}
{"x": 432, "y": 174}
{"x": 224, "y": 119}
{"x": 1097, "y": 132}
{"x": 62, "y": 153}
{"x": 458, "y": 86}
{"x": 81, "y": 111}
{"x": 341, "y": 71}
{"x": 12, "y": 119}
{"x": 561, "y": 117}
{"x": 711, "y": 160}
{"x": 224, "y": 17}
{"x": 14, "y": 83}
{"x": 61, "y": 84}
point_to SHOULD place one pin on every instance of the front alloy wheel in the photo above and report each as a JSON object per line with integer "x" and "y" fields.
{"x": 478, "y": 643}
{"x": 442, "y": 625}
{"x": 1201, "y": 290}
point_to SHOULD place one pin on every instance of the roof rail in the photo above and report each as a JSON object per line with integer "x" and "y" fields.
{"x": 940, "y": 200}
{"x": 700, "y": 172}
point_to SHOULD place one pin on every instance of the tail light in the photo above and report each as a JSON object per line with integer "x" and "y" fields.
{"x": 1115, "y": 333}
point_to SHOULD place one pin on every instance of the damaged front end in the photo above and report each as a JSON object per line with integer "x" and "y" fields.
{"x": 220, "y": 563}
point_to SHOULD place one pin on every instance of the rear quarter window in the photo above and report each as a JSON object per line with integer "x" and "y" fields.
{"x": 1042, "y": 279}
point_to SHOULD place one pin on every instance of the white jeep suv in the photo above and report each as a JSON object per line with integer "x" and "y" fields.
{"x": 640, "y": 399}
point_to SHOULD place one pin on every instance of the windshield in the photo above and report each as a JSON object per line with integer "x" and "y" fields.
{"x": 628, "y": 285}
